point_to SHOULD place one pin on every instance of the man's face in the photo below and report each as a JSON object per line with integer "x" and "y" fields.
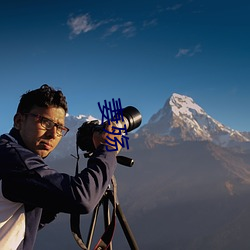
{"x": 35, "y": 137}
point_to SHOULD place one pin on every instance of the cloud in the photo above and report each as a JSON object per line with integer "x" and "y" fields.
{"x": 182, "y": 52}
{"x": 150, "y": 23}
{"x": 189, "y": 52}
{"x": 127, "y": 29}
{"x": 83, "y": 24}
{"x": 174, "y": 7}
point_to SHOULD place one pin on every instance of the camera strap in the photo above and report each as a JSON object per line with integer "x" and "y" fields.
{"x": 75, "y": 218}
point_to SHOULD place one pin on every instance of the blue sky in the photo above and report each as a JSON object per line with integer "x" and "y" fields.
{"x": 138, "y": 51}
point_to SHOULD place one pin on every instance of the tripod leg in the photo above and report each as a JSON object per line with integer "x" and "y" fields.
{"x": 126, "y": 229}
{"x": 123, "y": 222}
{"x": 106, "y": 215}
{"x": 92, "y": 227}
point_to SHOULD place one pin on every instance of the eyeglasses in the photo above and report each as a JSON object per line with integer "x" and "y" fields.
{"x": 49, "y": 124}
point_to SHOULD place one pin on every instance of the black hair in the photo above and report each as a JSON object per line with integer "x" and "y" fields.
{"x": 45, "y": 96}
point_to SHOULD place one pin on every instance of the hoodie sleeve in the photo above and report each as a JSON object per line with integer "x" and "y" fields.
{"x": 27, "y": 179}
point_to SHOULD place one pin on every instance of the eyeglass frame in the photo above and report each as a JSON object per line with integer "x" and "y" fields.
{"x": 58, "y": 126}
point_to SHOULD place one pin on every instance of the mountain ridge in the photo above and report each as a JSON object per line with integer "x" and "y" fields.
{"x": 182, "y": 119}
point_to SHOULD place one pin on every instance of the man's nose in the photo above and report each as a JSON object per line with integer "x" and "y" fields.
{"x": 52, "y": 132}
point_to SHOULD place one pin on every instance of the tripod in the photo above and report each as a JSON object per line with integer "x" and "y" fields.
{"x": 105, "y": 242}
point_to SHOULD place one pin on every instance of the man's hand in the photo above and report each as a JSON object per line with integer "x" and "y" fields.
{"x": 101, "y": 138}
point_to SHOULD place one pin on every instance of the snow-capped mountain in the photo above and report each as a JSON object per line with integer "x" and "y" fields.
{"x": 182, "y": 119}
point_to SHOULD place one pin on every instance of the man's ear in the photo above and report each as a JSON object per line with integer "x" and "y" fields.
{"x": 18, "y": 119}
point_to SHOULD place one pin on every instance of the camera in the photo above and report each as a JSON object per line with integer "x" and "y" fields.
{"x": 131, "y": 118}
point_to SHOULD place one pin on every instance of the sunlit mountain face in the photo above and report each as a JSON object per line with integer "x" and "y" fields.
{"x": 182, "y": 119}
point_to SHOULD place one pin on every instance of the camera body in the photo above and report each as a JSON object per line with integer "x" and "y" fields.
{"x": 131, "y": 118}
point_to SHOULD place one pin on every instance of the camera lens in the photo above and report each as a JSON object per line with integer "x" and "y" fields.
{"x": 132, "y": 118}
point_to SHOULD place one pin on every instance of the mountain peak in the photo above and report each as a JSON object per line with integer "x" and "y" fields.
{"x": 182, "y": 104}
{"x": 182, "y": 119}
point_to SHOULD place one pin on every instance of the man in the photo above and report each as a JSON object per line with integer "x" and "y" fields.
{"x": 28, "y": 187}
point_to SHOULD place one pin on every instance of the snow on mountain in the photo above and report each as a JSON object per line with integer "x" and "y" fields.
{"x": 74, "y": 122}
{"x": 182, "y": 119}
